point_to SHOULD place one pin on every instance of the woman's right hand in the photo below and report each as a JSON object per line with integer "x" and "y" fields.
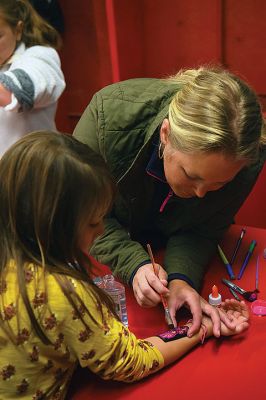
{"x": 148, "y": 287}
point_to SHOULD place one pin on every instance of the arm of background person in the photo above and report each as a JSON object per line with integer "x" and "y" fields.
{"x": 35, "y": 79}
{"x": 5, "y": 96}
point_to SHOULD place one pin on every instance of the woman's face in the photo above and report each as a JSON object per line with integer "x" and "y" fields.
{"x": 193, "y": 175}
{"x": 8, "y": 40}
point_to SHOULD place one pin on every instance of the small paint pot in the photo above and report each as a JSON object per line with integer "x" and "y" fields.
{"x": 258, "y": 307}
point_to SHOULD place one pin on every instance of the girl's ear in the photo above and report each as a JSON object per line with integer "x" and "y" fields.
{"x": 164, "y": 131}
{"x": 19, "y": 30}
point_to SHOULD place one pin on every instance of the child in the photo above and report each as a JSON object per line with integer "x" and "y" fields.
{"x": 54, "y": 193}
{"x": 31, "y": 80}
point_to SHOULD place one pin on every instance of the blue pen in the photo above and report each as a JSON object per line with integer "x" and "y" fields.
{"x": 248, "y": 255}
{"x": 226, "y": 263}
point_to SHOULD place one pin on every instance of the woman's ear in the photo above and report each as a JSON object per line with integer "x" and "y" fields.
{"x": 164, "y": 131}
{"x": 19, "y": 30}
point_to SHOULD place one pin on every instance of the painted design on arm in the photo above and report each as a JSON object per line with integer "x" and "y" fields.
{"x": 174, "y": 334}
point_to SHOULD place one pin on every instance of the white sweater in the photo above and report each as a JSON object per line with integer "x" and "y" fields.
{"x": 35, "y": 78}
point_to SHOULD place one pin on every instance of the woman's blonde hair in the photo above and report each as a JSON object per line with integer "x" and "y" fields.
{"x": 215, "y": 111}
{"x": 36, "y": 31}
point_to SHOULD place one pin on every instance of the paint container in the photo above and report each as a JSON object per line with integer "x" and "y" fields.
{"x": 215, "y": 298}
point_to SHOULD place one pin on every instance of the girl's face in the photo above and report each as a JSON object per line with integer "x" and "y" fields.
{"x": 90, "y": 232}
{"x": 8, "y": 39}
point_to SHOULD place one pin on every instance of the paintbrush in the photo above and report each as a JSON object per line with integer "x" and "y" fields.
{"x": 168, "y": 318}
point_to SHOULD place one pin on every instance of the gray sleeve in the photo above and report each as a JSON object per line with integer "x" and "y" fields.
{"x": 25, "y": 93}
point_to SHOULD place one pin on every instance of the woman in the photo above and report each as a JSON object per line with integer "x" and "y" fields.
{"x": 185, "y": 153}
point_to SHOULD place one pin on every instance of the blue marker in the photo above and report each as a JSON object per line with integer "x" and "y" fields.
{"x": 226, "y": 263}
{"x": 248, "y": 255}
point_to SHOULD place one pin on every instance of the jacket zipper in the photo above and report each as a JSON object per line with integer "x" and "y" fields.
{"x": 170, "y": 194}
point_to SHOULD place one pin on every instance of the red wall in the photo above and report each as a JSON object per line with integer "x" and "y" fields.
{"x": 110, "y": 40}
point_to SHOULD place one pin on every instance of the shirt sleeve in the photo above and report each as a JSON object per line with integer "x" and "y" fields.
{"x": 35, "y": 79}
{"x": 104, "y": 345}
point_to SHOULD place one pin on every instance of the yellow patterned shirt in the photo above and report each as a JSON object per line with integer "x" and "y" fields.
{"x": 32, "y": 370}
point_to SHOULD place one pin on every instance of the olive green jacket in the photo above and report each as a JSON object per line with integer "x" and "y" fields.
{"x": 121, "y": 123}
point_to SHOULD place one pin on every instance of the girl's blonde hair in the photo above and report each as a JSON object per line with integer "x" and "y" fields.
{"x": 36, "y": 31}
{"x": 215, "y": 111}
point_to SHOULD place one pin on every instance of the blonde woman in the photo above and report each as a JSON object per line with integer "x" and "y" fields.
{"x": 185, "y": 153}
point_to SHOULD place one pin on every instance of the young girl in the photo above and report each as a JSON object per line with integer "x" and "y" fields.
{"x": 54, "y": 193}
{"x": 31, "y": 80}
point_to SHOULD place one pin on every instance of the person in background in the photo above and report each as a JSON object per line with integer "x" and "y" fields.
{"x": 31, "y": 79}
{"x": 52, "y": 314}
{"x": 51, "y": 11}
{"x": 185, "y": 153}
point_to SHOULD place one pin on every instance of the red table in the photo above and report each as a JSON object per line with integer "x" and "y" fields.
{"x": 225, "y": 369}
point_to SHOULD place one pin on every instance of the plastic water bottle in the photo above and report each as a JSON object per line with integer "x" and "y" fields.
{"x": 117, "y": 291}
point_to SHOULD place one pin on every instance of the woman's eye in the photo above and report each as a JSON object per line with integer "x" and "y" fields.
{"x": 189, "y": 177}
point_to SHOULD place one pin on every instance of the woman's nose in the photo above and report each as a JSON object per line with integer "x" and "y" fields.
{"x": 200, "y": 190}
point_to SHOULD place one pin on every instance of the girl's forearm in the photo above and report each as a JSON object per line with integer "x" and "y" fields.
{"x": 5, "y": 96}
{"x": 173, "y": 350}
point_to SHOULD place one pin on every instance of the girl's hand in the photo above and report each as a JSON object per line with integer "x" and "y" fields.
{"x": 237, "y": 312}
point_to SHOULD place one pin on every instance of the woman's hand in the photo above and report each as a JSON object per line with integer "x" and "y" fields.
{"x": 148, "y": 287}
{"x": 182, "y": 294}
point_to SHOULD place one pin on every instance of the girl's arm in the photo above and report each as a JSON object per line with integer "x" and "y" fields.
{"x": 5, "y": 96}
{"x": 173, "y": 350}
{"x": 35, "y": 79}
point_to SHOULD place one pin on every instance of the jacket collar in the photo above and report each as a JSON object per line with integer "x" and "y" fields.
{"x": 155, "y": 165}
{"x": 149, "y": 138}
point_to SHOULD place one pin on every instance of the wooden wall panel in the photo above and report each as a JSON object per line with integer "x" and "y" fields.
{"x": 245, "y": 40}
{"x": 253, "y": 211}
{"x": 85, "y": 58}
{"x": 156, "y": 40}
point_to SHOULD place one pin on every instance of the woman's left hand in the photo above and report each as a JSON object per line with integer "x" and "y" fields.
{"x": 182, "y": 294}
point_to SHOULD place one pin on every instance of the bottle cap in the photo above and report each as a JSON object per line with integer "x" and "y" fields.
{"x": 215, "y": 298}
